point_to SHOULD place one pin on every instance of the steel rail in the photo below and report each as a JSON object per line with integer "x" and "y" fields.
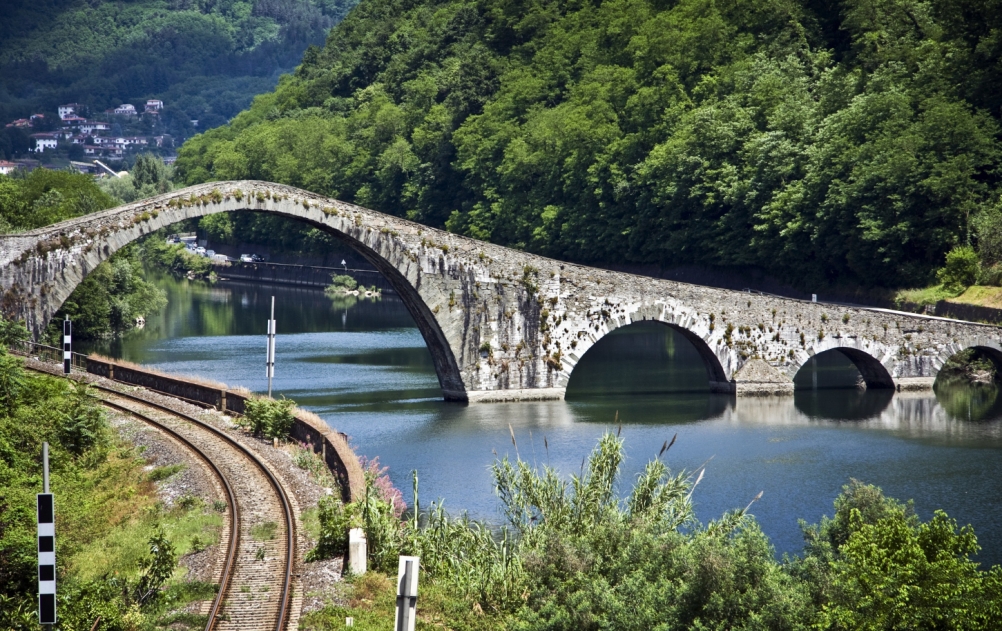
{"x": 290, "y": 550}
{"x": 231, "y": 552}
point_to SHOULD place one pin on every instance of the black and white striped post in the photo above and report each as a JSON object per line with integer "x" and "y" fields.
{"x": 46, "y": 547}
{"x": 271, "y": 345}
{"x": 67, "y": 345}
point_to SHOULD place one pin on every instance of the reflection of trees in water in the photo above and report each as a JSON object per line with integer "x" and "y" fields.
{"x": 844, "y": 405}
{"x": 969, "y": 401}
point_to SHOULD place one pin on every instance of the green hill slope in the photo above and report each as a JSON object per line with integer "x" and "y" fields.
{"x": 853, "y": 141}
{"x": 205, "y": 59}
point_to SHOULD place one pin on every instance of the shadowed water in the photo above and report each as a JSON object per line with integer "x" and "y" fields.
{"x": 363, "y": 366}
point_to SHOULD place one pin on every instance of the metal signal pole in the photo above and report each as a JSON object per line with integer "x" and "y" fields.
{"x": 67, "y": 347}
{"x": 46, "y": 524}
{"x": 271, "y": 345}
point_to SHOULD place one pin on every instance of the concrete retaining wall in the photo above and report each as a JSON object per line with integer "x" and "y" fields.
{"x": 338, "y": 455}
{"x": 974, "y": 313}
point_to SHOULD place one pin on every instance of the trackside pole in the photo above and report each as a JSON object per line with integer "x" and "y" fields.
{"x": 271, "y": 346}
{"x": 67, "y": 346}
{"x": 46, "y": 524}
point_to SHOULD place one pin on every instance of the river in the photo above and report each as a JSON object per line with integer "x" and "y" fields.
{"x": 363, "y": 366}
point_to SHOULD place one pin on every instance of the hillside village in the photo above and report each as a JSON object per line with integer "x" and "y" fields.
{"x": 86, "y": 140}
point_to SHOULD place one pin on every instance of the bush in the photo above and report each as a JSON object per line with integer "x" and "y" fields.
{"x": 268, "y": 417}
{"x": 12, "y": 332}
{"x": 961, "y": 270}
{"x": 342, "y": 282}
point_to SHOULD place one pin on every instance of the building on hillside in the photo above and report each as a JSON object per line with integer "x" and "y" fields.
{"x": 21, "y": 122}
{"x": 89, "y": 127}
{"x": 153, "y": 106}
{"x": 126, "y": 109}
{"x": 73, "y": 121}
{"x": 35, "y": 117}
{"x": 7, "y": 167}
{"x": 68, "y": 110}
{"x": 43, "y": 142}
{"x": 164, "y": 141}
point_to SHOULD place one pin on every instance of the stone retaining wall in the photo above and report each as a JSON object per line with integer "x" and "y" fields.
{"x": 338, "y": 455}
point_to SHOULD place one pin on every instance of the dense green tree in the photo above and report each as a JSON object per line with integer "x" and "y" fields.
{"x": 852, "y": 141}
{"x": 43, "y": 197}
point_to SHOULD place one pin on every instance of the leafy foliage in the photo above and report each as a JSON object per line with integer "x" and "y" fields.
{"x": 849, "y": 141}
{"x": 573, "y": 555}
{"x": 44, "y": 197}
{"x": 268, "y": 417}
{"x": 961, "y": 269}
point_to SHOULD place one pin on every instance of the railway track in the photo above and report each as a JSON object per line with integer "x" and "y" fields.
{"x": 255, "y": 587}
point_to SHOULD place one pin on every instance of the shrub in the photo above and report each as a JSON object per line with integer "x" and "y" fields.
{"x": 268, "y": 417}
{"x": 961, "y": 269}
{"x": 342, "y": 282}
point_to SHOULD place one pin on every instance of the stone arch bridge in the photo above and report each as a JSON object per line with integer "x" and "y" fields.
{"x": 507, "y": 325}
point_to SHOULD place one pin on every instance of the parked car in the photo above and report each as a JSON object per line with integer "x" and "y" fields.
{"x": 200, "y": 251}
{"x": 256, "y": 258}
{"x": 220, "y": 257}
{"x": 210, "y": 253}
{"x": 246, "y": 258}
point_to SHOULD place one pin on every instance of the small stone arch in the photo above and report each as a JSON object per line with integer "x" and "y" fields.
{"x": 717, "y": 379}
{"x": 875, "y": 375}
{"x": 988, "y": 349}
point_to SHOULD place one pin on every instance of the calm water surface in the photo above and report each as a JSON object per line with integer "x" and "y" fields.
{"x": 363, "y": 366}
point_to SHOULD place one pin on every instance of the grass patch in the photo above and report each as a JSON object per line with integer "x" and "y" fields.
{"x": 124, "y": 545}
{"x": 924, "y": 296}
{"x": 162, "y": 473}
{"x": 372, "y": 603}
{"x": 264, "y": 531}
{"x": 981, "y": 295}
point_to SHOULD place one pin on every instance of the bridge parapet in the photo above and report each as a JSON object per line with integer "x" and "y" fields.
{"x": 502, "y": 324}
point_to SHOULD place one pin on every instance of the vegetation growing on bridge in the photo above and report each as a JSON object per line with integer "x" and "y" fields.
{"x": 573, "y": 555}
{"x": 109, "y": 520}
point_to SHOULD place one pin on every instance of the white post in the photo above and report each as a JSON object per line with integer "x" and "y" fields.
{"x": 271, "y": 346}
{"x": 814, "y": 297}
{"x": 46, "y": 525}
{"x": 407, "y": 584}
{"x": 357, "y": 551}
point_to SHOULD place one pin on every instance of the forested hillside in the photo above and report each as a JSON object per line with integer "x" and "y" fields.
{"x": 852, "y": 141}
{"x": 205, "y": 59}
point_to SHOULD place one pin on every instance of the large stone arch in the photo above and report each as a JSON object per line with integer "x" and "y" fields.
{"x": 504, "y": 324}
